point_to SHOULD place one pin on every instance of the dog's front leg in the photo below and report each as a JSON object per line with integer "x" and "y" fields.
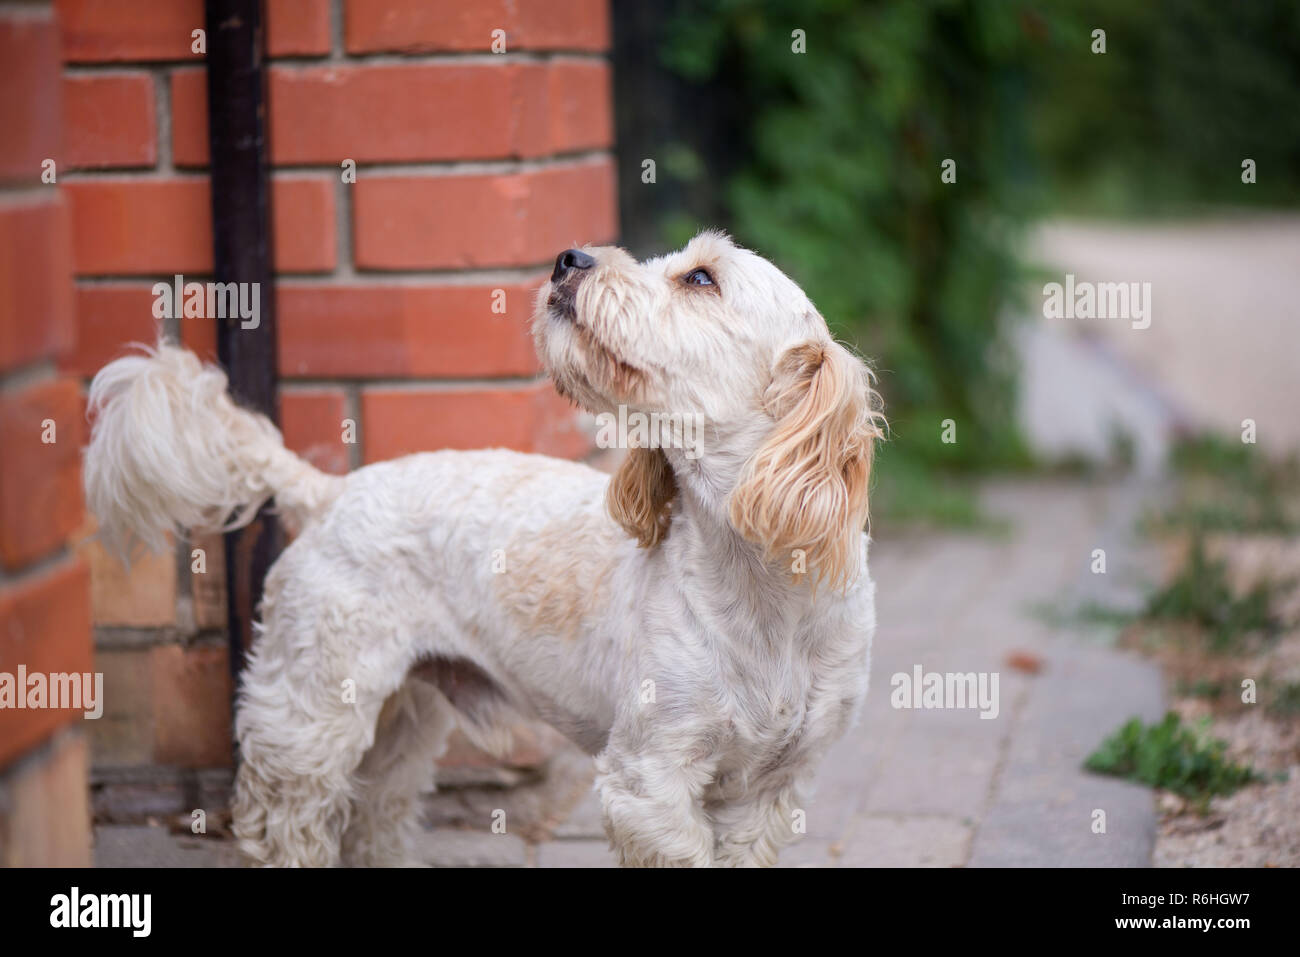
{"x": 652, "y": 803}
{"x": 752, "y": 832}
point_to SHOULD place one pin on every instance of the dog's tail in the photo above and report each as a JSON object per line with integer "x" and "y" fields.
{"x": 170, "y": 451}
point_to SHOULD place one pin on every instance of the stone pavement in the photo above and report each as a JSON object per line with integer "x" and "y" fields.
{"x": 937, "y": 788}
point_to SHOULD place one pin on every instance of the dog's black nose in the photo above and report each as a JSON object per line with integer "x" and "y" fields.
{"x": 569, "y": 260}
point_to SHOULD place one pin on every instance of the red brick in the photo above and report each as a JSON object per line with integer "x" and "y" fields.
{"x": 189, "y": 99}
{"x": 200, "y": 337}
{"x": 394, "y": 331}
{"x": 298, "y": 27}
{"x": 312, "y": 423}
{"x": 208, "y": 587}
{"x": 133, "y": 227}
{"x": 373, "y": 26}
{"x": 45, "y": 814}
{"x": 459, "y": 222}
{"x": 123, "y": 734}
{"x": 141, "y": 226}
{"x": 400, "y": 421}
{"x": 399, "y": 112}
{"x": 109, "y": 318}
{"x": 139, "y": 595}
{"x": 580, "y": 106}
{"x": 414, "y": 112}
{"x": 44, "y": 625}
{"x": 40, "y": 484}
{"x": 191, "y": 706}
{"x": 108, "y": 121}
{"x": 97, "y": 31}
{"x": 566, "y": 25}
{"x": 35, "y": 278}
{"x": 30, "y": 106}
{"x": 304, "y": 216}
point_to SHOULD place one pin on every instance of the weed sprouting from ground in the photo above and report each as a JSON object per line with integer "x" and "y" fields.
{"x": 1172, "y": 756}
{"x": 1230, "y": 487}
{"x": 1202, "y": 595}
{"x": 1285, "y": 699}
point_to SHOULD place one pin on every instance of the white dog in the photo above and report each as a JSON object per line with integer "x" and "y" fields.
{"x": 700, "y": 623}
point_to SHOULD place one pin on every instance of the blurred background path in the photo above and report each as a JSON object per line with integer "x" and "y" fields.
{"x": 1223, "y": 344}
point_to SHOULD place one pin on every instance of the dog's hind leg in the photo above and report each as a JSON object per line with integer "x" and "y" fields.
{"x": 293, "y": 790}
{"x": 411, "y": 734}
{"x": 300, "y": 745}
{"x": 309, "y": 704}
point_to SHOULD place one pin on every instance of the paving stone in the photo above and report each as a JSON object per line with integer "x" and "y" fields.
{"x": 810, "y": 852}
{"x": 1042, "y": 813}
{"x": 938, "y": 774}
{"x": 582, "y": 853}
{"x": 128, "y": 845}
{"x": 452, "y": 848}
{"x": 905, "y": 841}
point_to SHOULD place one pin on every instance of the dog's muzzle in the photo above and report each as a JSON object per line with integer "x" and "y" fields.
{"x": 569, "y": 262}
{"x": 571, "y": 266}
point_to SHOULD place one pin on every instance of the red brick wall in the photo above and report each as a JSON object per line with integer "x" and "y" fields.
{"x": 45, "y": 622}
{"x": 474, "y": 169}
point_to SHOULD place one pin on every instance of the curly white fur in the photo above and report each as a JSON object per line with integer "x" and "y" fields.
{"x": 701, "y": 625}
{"x": 172, "y": 451}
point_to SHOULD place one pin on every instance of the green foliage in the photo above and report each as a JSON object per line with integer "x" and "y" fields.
{"x": 1171, "y": 756}
{"x": 828, "y": 162}
{"x": 1202, "y": 595}
{"x": 1203, "y": 688}
{"x": 1285, "y": 699}
{"x": 840, "y": 185}
{"x": 908, "y": 493}
{"x": 1160, "y": 123}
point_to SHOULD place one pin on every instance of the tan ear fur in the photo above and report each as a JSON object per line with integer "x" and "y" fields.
{"x": 640, "y": 495}
{"x": 805, "y": 489}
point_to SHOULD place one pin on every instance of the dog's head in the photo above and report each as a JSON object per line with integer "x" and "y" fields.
{"x": 716, "y": 335}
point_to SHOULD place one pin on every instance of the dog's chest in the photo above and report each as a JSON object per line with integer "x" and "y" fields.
{"x": 786, "y": 709}
{"x": 777, "y": 725}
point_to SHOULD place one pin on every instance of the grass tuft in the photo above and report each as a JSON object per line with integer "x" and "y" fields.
{"x": 1230, "y": 487}
{"x": 1201, "y": 594}
{"x": 1171, "y": 756}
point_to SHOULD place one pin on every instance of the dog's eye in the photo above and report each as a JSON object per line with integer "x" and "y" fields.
{"x": 698, "y": 277}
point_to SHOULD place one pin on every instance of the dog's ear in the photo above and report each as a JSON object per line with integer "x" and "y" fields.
{"x": 640, "y": 495}
{"x": 805, "y": 489}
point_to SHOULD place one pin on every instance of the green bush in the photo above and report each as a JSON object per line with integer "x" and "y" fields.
{"x": 828, "y": 161}
{"x": 1160, "y": 123}
{"x": 840, "y": 184}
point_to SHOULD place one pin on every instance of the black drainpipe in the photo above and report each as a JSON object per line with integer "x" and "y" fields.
{"x": 241, "y": 242}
